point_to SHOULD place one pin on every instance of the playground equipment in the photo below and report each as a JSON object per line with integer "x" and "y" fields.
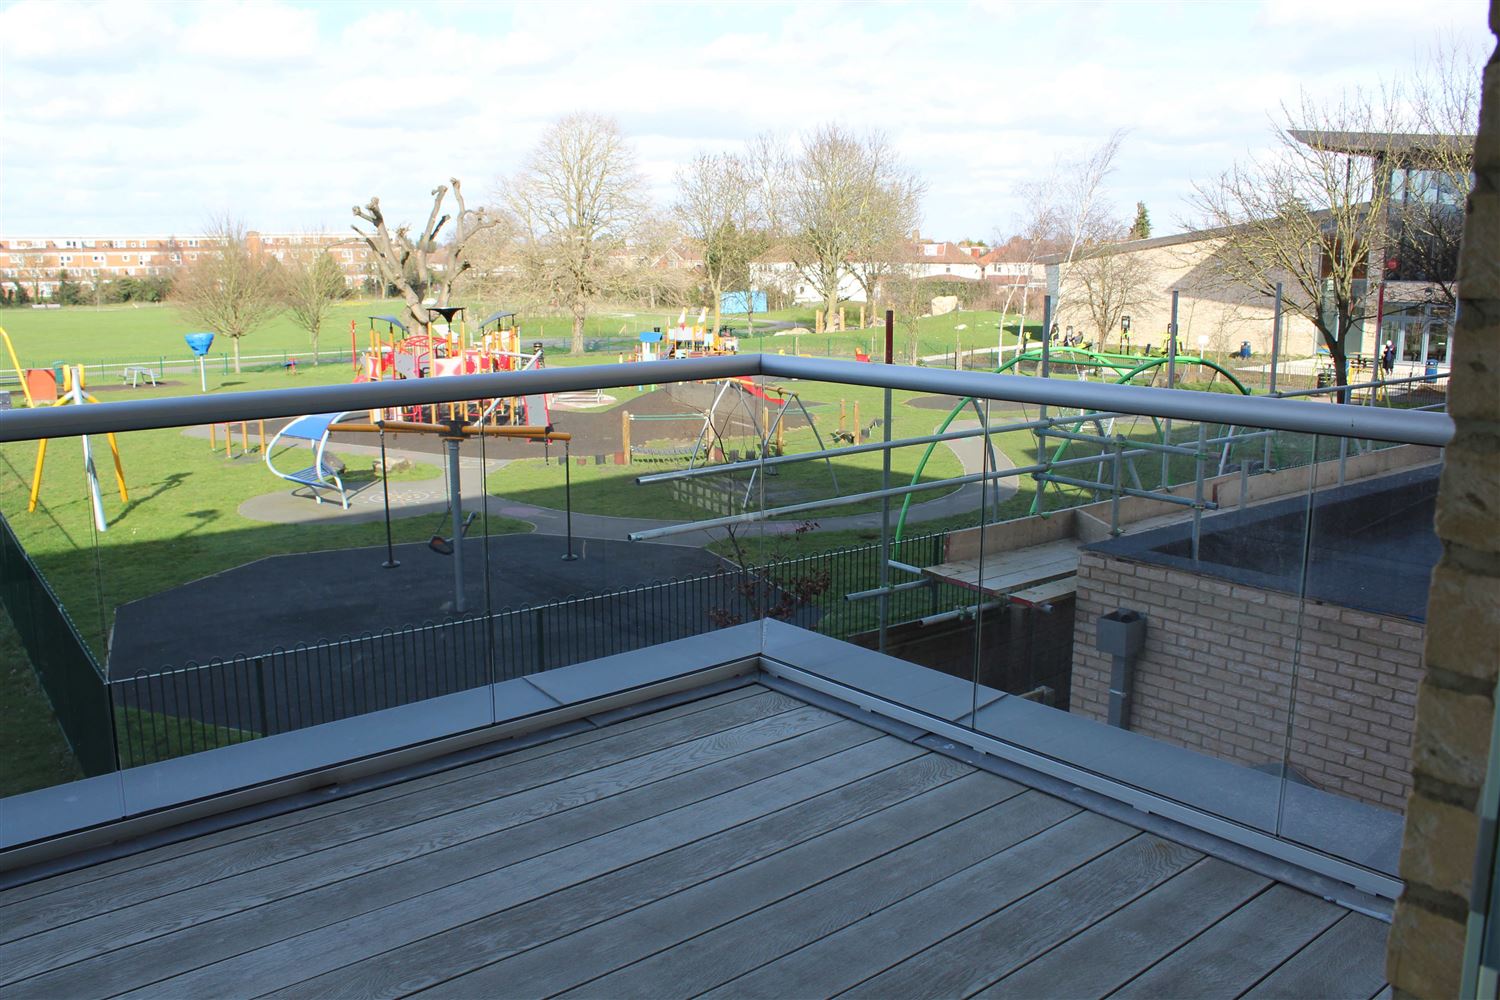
{"x": 73, "y": 394}
{"x": 320, "y": 477}
{"x": 394, "y": 352}
{"x": 697, "y": 340}
{"x": 744, "y": 403}
{"x": 39, "y": 388}
{"x": 454, "y": 432}
{"x": 199, "y": 343}
{"x": 1118, "y": 442}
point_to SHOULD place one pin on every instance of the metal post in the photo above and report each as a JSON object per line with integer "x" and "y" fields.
{"x": 1198, "y": 487}
{"x": 885, "y": 485}
{"x": 456, "y": 507}
{"x": 1275, "y": 360}
{"x": 1041, "y": 432}
{"x": 570, "y": 555}
{"x": 1166, "y": 425}
{"x": 1114, "y": 506}
{"x": 391, "y": 562}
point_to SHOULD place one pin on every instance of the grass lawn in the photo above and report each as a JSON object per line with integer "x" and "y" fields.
{"x": 181, "y": 522}
{"x": 33, "y": 752}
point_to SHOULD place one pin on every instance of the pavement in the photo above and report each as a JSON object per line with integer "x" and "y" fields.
{"x": 429, "y": 498}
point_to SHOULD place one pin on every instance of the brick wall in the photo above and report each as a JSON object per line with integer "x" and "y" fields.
{"x": 1457, "y": 706}
{"x": 1217, "y": 669}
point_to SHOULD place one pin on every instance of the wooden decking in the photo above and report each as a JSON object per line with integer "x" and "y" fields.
{"x": 744, "y": 844}
{"x": 1011, "y": 570}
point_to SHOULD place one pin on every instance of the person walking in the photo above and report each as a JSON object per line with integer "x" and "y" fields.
{"x": 1388, "y": 358}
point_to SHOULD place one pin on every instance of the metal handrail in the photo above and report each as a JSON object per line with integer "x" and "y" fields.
{"x": 1401, "y": 426}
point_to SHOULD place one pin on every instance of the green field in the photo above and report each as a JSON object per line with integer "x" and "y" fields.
{"x": 150, "y": 334}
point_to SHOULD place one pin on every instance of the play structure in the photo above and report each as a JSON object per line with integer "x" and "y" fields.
{"x": 696, "y": 340}
{"x": 393, "y": 351}
{"x": 1118, "y": 441}
{"x": 73, "y": 394}
{"x": 320, "y": 477}
{"x": 737, "y": 421}
{"x": 39, "y": 388}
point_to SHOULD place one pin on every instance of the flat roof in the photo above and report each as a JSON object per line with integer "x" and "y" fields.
{"x": 742, "y": 840}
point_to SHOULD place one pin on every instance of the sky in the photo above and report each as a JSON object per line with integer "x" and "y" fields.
{"x": 155, "y": 117}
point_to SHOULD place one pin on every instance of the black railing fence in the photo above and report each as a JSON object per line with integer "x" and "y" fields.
{"x": 199, "y": 706}
{"x": 68, "y": 672}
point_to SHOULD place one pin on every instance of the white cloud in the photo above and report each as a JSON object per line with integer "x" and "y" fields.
{"x": 157, "y": 116}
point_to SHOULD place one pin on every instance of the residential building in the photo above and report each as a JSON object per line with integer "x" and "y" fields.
{"x": 38, "y": 262}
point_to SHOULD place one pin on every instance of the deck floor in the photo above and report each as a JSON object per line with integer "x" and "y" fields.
{"x": 744, "y": 844}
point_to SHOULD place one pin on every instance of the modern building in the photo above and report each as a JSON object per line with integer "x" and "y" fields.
{"x": 1411, "y": 304}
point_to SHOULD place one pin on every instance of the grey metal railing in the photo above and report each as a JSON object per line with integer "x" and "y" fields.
{"x": 1400, "y": 426}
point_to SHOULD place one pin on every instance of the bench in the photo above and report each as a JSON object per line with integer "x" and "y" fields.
{"x": 135, "y": 373}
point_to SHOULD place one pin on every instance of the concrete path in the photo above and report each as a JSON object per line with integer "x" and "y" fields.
{"x": 429, "y": 498}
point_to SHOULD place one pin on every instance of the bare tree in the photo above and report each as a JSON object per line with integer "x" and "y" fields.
{"x": 1427, "y": 203}
{"x": 1067, "y": 215}
{"x": 311, "y": 282}
{"x": 722, "y": 205}
{"x": 421, "y": 268}
{"x": 846, "y": 194}
{"x": 1310, "y": 214}
{"x": 1110, "y": 285}
{"x": 231, "y": 288}
{"x": 575, "y": 204}
{"x": 883, "y": 231}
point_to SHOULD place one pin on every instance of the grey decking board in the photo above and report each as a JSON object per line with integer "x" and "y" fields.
{"x": 50, "y": 902}
{"x": 613, "y": 944}
{"x": 866, "y": 947}
{"x": 1119, "y": 947}
{"x": 347, "y": 941}
{"x": 1237, "y": 952}
{"x": 709, "y": 959}
{"x": 866, "y": 806}
{"x": 228, "y": 936}
{"x": 1346, "y": 960}
{"x": 245, "y": 857}
{"x": 988, "y": 949}
{"x": 563, "y": 740}
{"x": 397, "y": 836}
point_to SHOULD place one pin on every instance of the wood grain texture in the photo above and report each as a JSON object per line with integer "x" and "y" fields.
{"x": 1345, "y": 961}
{"x": 1130, "y": 940}
{"x": 398, "y": 833}
{"x": 713, "y": 958}
{"x": 984, "y": 951}
{"x": 317, "y": 813}
{"x": 870, "y": 945}
{"x": 433, "y": 960}
{"x": 1240, "y": 950}
{"x": 336, "y": 945}
{"x": 211, "y": 941}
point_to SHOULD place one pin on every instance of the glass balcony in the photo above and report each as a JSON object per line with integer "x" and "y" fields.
{"x": 1202, "y": 607}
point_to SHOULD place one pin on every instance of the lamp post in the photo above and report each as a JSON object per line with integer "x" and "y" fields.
{"x": 1124, "y": 334}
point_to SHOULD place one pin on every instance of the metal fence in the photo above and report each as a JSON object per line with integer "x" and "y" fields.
{"x": 68, "y": 672}
{"x": 166, "y": 713}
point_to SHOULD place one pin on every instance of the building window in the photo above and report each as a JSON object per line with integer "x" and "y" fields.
{"x": 65, "y": 259}
{"x": 98, "y": 258}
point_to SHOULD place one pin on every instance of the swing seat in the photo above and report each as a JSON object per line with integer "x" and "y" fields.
{"x": 320, "y": 477}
